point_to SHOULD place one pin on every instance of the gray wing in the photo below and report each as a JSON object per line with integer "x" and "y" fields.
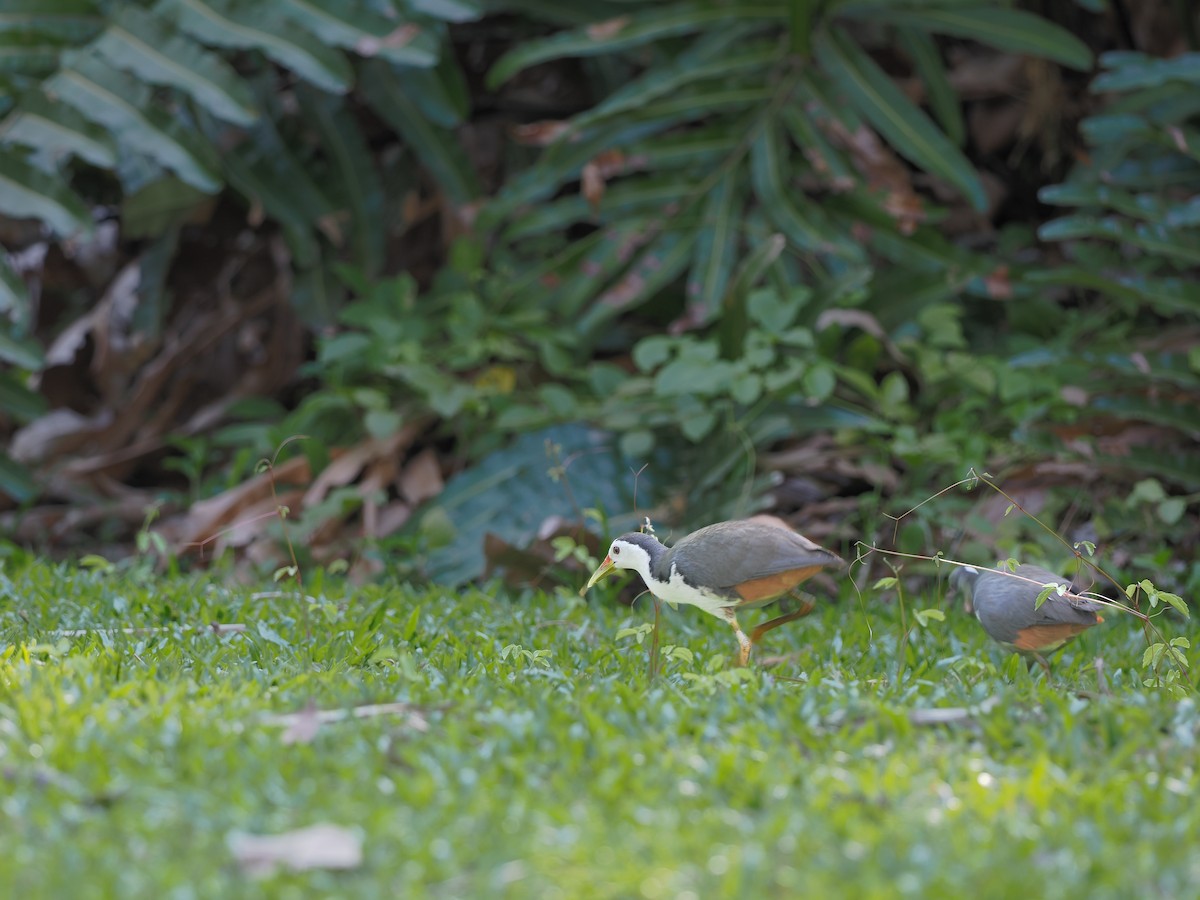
{"x": 1006, "y": 606}
{"x": 730, "y": 553}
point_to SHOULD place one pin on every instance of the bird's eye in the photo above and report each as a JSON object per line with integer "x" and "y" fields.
{"x": 615, "y": 551}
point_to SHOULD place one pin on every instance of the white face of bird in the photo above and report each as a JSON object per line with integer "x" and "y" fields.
{"x": 621, "y": 555}
{"x": 624, "y": 555}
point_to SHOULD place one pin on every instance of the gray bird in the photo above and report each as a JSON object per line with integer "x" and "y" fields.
{"x": 724, "y": 568}
{"x": 1005, "y": 607}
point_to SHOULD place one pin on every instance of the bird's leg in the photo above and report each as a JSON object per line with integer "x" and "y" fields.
{"x": 744, "y": 643}
{"x": 806, "y": 607}
{"x": 1041, "y": 661}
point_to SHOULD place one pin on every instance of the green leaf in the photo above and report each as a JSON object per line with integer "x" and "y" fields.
{"x": 347, "y": 23}
{"x": 995, "y": 26}
{"x": 439, "y": 150}
{"x": 17, "y": 481}
{"x": 943, "y": 99}
{"x": 772, "y": 310}
{"x": 651, "y": 352}
{"x": 1132, "y": 71}
{"x": 771, "y": 188}
{"x": 450, "y": 10}
{"x": 1045, "y": 593}
{"x": 262, "y": 26}
{"x": 27, "y": 192}
{"x": 16, "y": 399}
{"x": 72, "y": 20}
{"x": 886, "y": 107}
{"x": 441, "y": 92}
{"x": 14, "y": 296}
{"x": 658, "y": 265}
{"x": 819, "y": 382}
{"x": 625, "y": 32}
{"x": 717, "y": 245}
{"x": 1171, "y": 510}
{"x": 158, "y": 207}
{"x": 23, "y": 353}
{"x": 356, "y": 182}
{"x": 1175, "y": 602}
{"x": 925, "y": 616}
{"x": 28, "y": 56}
{"x": 116, "y": 101}
{"x": 145, "y": 47}
{"x": 666, "y": 81}
{"x": 56, "y": 130}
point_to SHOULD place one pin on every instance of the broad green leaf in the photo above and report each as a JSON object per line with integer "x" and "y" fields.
{"x": 150, "y": 50}
{"x": 1154, "y": 238}
{"x": 34, "y": 57}
{"x": 1117, "y": 127}
{"x": 1134, "y": 71}
{"x": 115, "y": 101}
{"x": 24, "y": 353}
{"x": 450, "y": 10}
{"x": 886, "y": 107}
{"x": 345, "y": 23}
{"x": 72, "y": 20}
{"x": 16, "y": 481}
{"x": 28, "y": 192}
{"x": 627, "y": 31}
{"x": 438, "y": 149}
{"x": 716, "y": 246}
{"x": 55, "y": 130}
{"x": 18, "y": 401}
{"x": 1140, "y": 206}
{"x": 440, "y": 92}
{"x": 995, "y": 26}
{"x": 263, "y": 27}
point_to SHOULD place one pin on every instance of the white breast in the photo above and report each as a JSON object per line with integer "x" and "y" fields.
{"x": 675, "y": 591}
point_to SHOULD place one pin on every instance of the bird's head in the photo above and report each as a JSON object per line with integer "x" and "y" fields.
{"x": 963, "y": 577}
{"x": 634, "y": 551}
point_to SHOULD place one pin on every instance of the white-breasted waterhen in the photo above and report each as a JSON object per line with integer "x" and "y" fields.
{"x": 1006, "y": 606}
{"x": 724, "y": 568}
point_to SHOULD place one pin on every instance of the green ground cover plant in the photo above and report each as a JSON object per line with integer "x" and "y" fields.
{"x": 529, "y": 754}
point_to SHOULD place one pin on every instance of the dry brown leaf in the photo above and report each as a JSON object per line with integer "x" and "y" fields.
{"x": 601, "y": 31}
{"x": 303, "y": 726}
{"x": 591, "y": 185}
{"x": 206, "y": 518}
{"x": 999, "y": 283}
{"x": 322, "y": 846}
{"x": 539, "y": 134}
{"x": 421, "y": 479}
{"x": 401, "y": 37}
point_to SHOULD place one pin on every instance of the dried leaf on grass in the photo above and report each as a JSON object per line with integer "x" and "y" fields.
{"x": 321, "y": 846}
{"x": 205, "y": 520}
{"x": 301, "y": 727}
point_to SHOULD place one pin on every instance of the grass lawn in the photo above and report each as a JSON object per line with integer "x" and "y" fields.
{"x": 132, "y": 762}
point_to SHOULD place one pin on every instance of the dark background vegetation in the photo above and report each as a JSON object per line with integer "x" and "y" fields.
{"x": 460, "y": 268}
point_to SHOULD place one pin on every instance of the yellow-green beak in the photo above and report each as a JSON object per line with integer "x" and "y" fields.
{"x": 605, "y": 567}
